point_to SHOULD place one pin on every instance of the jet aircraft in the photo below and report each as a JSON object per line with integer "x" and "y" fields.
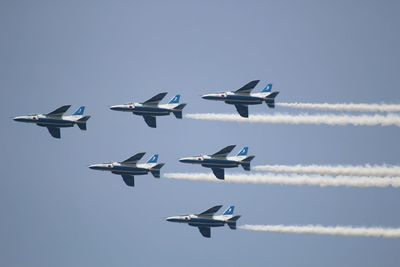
{"x": 220, "y": 160}
{"x": 129, "y": 168}
{"x": 56, "y": 120}
{"x": 205, "y": 220}
{"x": 152, "y": 108}
{"x": 243, "y": 97}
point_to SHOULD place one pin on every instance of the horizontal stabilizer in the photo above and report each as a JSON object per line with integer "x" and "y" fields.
{"x": 128, "y": 179}
{"x": 178, "y": 111}
{"x": 82, "y": 122}
{"x": 270, "y": 99}
{"x": 211, "y": 211}
{"x": 155, "y": 171}
{"x": 246, "y": 89}
{"x": 135, "y": 158}
{"x": 155, "y": 100}
{"x": 224, "y": 152}
{"x": 246, "y": 162}
{"x": 232, "y": 222}
{"x": 60, "y": 111}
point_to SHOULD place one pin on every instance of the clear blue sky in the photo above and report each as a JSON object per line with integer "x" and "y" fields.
{"x": 55, "y": 211}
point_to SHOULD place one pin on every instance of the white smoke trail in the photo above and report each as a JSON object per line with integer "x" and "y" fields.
{"x": 334, "y": 170}
{"x": 327, "y": 119}
{"x": 343, "y": 107}
{"x": 298, "y": 180}
{"x": 326, "y": 230}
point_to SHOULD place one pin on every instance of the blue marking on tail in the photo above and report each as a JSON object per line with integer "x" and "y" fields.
{"x": 80, "y": 111}
{"x": 244, "y": 151}
{"x": 229, "y": 211}
{"x": 175, "y": 99}
{"x": 267, "y": 88}
{"x": 153, "y": 159}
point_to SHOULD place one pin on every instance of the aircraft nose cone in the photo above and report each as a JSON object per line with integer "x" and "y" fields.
{"x": 185, "y": 160}
{"x": 95, "y": 167}
{"x": 206, "y": 96}
{"x": 116, "y": 107}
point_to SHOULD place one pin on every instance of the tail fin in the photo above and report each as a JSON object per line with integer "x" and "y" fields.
{"x": 178, "y": 111}
{"x": 229, "y": 211}
{"x": 80, "y": 111}
{"x": 232, "y": 222}
{"x": 246, "y": 162}
{"x": 243, "y": 152}
{"x": 156, "y": 170}
{"x": 175, "y": 99}
{"x": 82, "y": 122}
{"x": 267, "y": 88}
{"x": 270, "y": 99}
{"x": 153, "y": 159}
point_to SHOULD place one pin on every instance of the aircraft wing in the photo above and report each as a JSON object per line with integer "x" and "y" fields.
{"x": 243, "y": 110}
{"x": 128, "y": 179}
{"x": 219, "y": 173}
{"x": 155, "y": 99}
{"x": 211, "y": 211}
{"x": 205, "y": 231}
{"x": 55, "y": 132}
{"x": 135, "y": 158}
{"x": 60, "y": 111}
{"x": 151, "y": 121}
{"x": 246, "y": 89}
{"x": 224, "y": 152}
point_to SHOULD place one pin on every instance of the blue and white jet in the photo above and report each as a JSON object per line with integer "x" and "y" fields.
{"x": 130, "y": 167}
{"x": 152, "y": 108}
{"x": 243, "y": 97}
{"x": 55, "y": 120}
{"x": 220, "y": 160}
{"x": 207, "y": 219}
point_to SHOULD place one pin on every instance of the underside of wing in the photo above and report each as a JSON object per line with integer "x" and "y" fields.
{"x": 135, "y": 158}
{"x": 246, "y": 89}
{"x": 224, "y": 152}
{"x": 155, "y": 100}
{"x": 211, "y": 211}
{"x": 243, "y": 110}
{"x": 60, "y": 111}
{"x": 205, "y": 231}
{"x": 219, "y": 173}
{"x": 128, "y": 179}
{"x": 55, "y": 132}
{"x": 151, "y": 121}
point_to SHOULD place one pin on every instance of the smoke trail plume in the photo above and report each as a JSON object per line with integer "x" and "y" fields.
{"x": 343, "y": 107}
{"x": 298, "y": 180}
{"x": 334, "y": 170}
{"x": 326, "y": 230}
{"x": 327, "y": 119}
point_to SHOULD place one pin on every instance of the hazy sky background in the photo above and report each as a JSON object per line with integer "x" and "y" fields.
{"x": 55, "y": 211}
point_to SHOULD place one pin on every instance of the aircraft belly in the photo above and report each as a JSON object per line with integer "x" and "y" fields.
{"x": 243, "y": 100}
{"x": 219, "y": 164}
{"x": 150, "y": 111}
{"x": 55, "y": 123}
{"x": 206, "y": 223}
{"x": 131, "y": 171}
